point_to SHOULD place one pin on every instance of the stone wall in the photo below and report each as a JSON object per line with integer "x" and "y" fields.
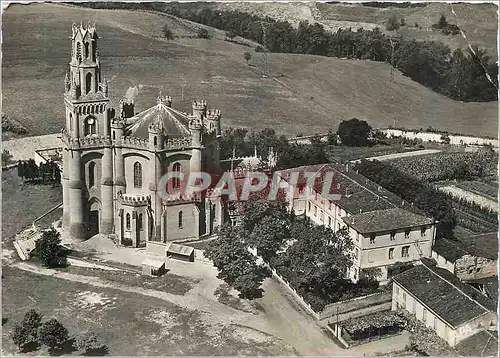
{"x": 470, "y": 267}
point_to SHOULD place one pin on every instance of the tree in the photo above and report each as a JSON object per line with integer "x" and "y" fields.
{"x": 53, "y": 334}
{"x": 203, "y": 33}
{"x": 19, "y": 336}
{"x": 231, "y": 34}
{"x": 25, "y": 334}
{"x": 237, "y": 266}
{"x": 89, "y": 344}
{"x": 269, "y": 235}
{"x": 392, "y": 22}
{"x": 6, "y": 157}
{"x": 20, "y": 169}
{"x": 354, "y": 132}
{"x": 332, "y": 138}
{"x": 248, "y": 56}
{"x": 442, "y": 23}
{"x": 49, "y": 250}
{"x": 167, "y": 32}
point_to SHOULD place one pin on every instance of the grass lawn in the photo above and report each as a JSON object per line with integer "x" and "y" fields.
{"x": 314, "y": 95}
{"x": 23, "y": 203}
{"x": 130, "y": 324}
{"x": 169, "y": 283}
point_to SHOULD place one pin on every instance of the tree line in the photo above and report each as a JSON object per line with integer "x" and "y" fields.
{"x": 45, "y": 173}
{"x": 459, "y": 74}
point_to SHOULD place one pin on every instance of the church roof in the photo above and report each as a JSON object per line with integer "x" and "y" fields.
{"x": 175, "y": 123}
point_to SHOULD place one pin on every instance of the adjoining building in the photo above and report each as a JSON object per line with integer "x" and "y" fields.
{"x": 113, "y": 162}
{"x": 470, "y": 258}
{"x": 386, "y": 231}
{"x": 452, "y": 308}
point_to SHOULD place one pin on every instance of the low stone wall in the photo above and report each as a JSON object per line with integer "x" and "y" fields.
{"x": 455, "y": 139}
{"x": 295, "y": 294}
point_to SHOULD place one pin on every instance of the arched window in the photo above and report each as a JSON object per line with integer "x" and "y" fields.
{"x": 155, "y": 141}
{"x": 176, "y": 168}
{"x": 127, "y": 222}
{"x": 90, "y": 126}
{"x": 71, "y": 122}
{"x": 86, "y": 50}
{"x": 114, "y": 135}
{"x": 180, "y": 220}
{"x": 91, "y": 174}
{"x": 88, "y": 82}
{"x": 79, "y": 51}
{"x": 137, "y": 175}
{"x": 139, "y": 222}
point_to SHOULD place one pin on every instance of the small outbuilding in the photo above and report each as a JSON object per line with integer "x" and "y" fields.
{"x": 180, "y": 252}
{"x": 153, "y": 267}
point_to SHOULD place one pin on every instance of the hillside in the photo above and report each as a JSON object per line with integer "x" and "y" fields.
{"x": 478, "y": 21}
{"x": 315, "y": 93}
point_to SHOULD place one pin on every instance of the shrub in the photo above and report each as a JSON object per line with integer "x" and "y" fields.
{"x": 167, "y": 32}
{"x": 203, "y": 34}
{"x": 89, "y": 344}
{"x": 53, "y": 334}
{"x": 392, "y": 23}
{"x": 49, "y": 250}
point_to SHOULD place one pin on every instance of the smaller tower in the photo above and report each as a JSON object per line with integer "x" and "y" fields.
{"x": 127, "y": 108}
{"x": 212, "y": 123}
{"x": 156, "y": 133}
{"x": 117, "y": 126}
{"x": 200, "y": 109}
{"x": 156, "y": 141}
{"x": 195, "y": 127}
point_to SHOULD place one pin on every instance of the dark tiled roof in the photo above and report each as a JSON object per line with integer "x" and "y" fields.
{"x": 175, "y": 123}
{"x": 359, "y": 194}
{"x": 454, "y": 301}
{"x": 482, "y": 344}
{"x": 385, "y": 220}
{"x": 489, "y": 284}
{"x": 483, "y": 245}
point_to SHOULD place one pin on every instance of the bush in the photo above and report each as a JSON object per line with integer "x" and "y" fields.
{"x": 53, "y": 334}
{"x": 167, "y": 33}
{"x": 247, "y": 56}
{"x": 89, "y": 344}
{"x": 203, "y": 34}
{"x": 49, "y": 250}
{"x": 25, "y": 334}
{"x": 392, "y": 23}
{"x": 259, "y": 49}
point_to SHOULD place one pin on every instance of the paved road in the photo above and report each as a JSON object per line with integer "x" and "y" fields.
{"x": 293, "y": 325}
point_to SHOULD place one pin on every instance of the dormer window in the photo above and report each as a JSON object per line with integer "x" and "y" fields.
{"x": 423, "y": 231}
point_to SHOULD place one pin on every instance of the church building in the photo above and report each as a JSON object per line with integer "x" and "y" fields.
{"x": 113, "y": 162}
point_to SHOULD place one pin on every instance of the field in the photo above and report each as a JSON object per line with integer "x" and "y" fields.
{"x": 313, "y": 95}
{"x": 441, "y": 166}
{"x": 23, "y": 203}
{"x": 148, "y": 325}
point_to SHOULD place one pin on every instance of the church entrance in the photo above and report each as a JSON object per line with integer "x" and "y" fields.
{"x": 93, "y": 222}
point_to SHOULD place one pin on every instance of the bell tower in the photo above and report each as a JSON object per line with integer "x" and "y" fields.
{"x": 88, "y": 118}
{"x": 86, "y": 91}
